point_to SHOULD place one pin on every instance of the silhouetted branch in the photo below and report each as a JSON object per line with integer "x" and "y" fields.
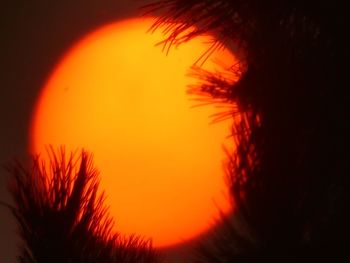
{"x": 216, "y": 88}
{"x": 289, "y": 175}
{"x": 184, "y": 20}
{"x": 62, "y": 217}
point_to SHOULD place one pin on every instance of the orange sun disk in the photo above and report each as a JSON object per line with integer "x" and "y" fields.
{"x": 117, "y": 95}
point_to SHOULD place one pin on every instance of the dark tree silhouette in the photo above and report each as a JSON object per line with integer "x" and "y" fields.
{"x": 61, "y": 215}
{"x": 289, "y": 176}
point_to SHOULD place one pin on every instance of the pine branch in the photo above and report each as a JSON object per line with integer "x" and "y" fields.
{"x": 62, "y": 217}
{"x": 289, "y": 173}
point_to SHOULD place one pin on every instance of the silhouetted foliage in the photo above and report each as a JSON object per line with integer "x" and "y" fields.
{"x": 289, "y": 176}
{"x": 61, "y": 215}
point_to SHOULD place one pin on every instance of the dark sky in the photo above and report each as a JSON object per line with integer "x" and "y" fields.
{"x": 34, "y": 34}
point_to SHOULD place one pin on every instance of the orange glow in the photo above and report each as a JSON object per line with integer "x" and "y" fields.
{"x": 120, "y": 97}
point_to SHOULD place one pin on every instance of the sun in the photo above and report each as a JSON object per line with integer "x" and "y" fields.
{"x": 117, "y": 95}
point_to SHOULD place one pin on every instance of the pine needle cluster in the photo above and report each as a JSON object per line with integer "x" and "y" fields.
{"x": 289, "y": 174}
{"x": 62, "y": 217}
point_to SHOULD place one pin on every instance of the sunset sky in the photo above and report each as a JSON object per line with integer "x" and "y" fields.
{"x": 288, "y": 179}
{"x": 34, "y": 38}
